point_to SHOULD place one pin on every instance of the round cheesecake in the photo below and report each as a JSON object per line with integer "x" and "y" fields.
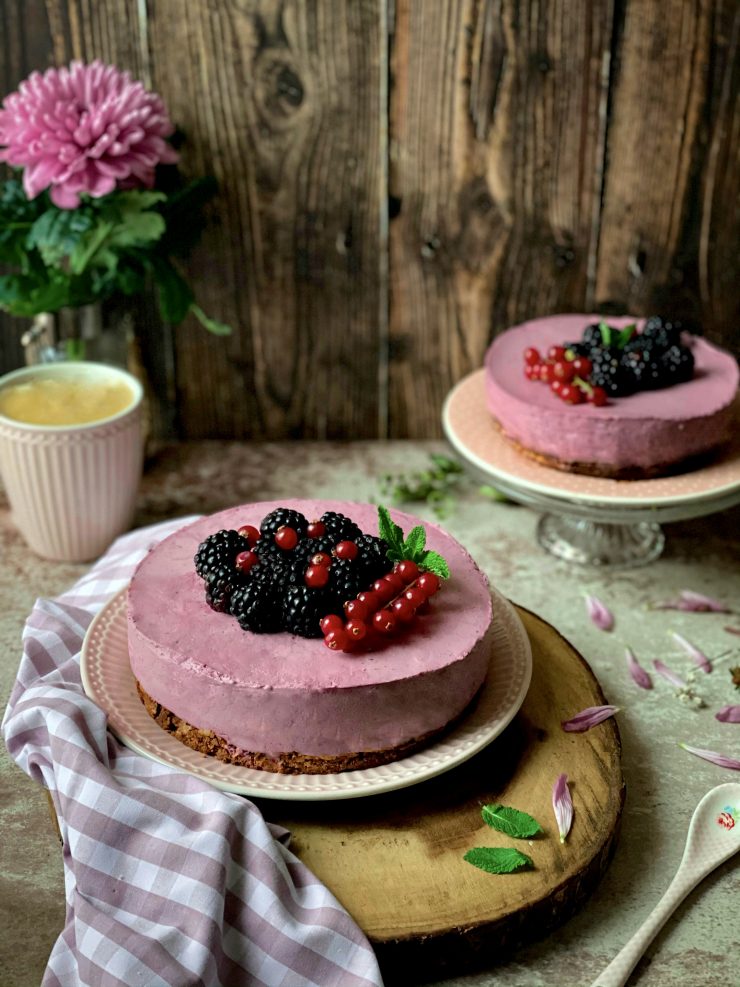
{"x": 280, "y": 702}
{"x": 649, "y": 433}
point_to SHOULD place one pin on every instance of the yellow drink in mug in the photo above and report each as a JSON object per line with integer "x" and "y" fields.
{"x": 71, "y": 455}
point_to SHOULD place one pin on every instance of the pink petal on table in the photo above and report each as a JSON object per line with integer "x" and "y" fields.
{"x": 638, "y": 673}
{"x": 720, "y": 759}
{"x": 588, "y": 718}
{"x": 599, "y": 614}
{"x": 698, "y": 657}
{"x": 673, "y": 677}
{"x": 563, "y": 806}
{"x": 699, "y": 602}
{"x": 732, "y": 630}
{"x": 728, "y": 714}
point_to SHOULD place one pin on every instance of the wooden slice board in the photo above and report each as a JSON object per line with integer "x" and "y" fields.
{"x": 396, "y": 863}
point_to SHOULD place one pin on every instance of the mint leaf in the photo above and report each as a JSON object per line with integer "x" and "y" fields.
{"x": 493, "y": 494}
{"x": 389, "y": 531}
{"x": 415, "y": 542}
{"x": 433, "y": 562}
{"x": 212, "y": 325}
{"x": 606, "y": 333}
{"x": 498, "y": 860}
{"x": 175, "y": 296}
{"x": 510, "y": 821}
{"x": 625, "y": 335}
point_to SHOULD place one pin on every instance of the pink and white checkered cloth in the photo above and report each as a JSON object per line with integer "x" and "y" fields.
{"x": 169, "y": 882}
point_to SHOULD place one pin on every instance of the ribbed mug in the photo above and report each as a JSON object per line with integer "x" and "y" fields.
{"x": 72, "y": 488}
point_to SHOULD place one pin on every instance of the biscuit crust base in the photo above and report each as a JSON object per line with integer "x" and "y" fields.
{"x": 286, "y": 762}
{"x": 605, "y": 470}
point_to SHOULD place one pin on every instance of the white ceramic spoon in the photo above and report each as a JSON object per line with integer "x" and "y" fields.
{"x": 714, "y": 835}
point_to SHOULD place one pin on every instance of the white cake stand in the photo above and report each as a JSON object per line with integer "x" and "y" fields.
{"x": 587, "y": 520}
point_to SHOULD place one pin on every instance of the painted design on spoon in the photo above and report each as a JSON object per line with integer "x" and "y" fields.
{"x": 728, "y": 817}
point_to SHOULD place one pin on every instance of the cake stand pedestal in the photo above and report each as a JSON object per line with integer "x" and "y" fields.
{"x": 587, "y": 520}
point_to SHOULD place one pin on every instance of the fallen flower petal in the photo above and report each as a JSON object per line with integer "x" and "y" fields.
{"x": 599, "y": 614}
{"x": 694, "y": 602}
{"x": 698, "y": 657}
{"x": 720, "y": 759}
{"x": 638, "y": 673}
{"x": 563, "y": 806}
{"x": 589, "y": 717}
{"x": 731, "y": 630}
{"x": 662, "y": 669}
{"x": 728, "y": 714}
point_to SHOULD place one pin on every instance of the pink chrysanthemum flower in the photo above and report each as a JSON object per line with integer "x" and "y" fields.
{"x": 84, "y": 129}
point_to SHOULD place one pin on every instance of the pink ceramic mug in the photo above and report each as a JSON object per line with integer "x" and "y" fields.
{"x": 72, "y": 488}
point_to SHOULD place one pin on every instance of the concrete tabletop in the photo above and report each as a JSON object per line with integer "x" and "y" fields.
{"x": 700, "y": 946}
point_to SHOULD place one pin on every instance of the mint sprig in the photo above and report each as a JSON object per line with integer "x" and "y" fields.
{"x": 413, "y": 547}
{"x": 513, "y": 822}
{"x": 616, "y": 337}
{"x": 498, "y": 860}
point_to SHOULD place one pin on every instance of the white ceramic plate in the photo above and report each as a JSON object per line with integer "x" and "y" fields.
{"x": 108, "y": 680}
{"x": 469, "y": 427}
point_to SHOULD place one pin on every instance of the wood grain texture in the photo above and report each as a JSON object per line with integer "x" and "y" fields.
{"x": 396, "y": 861}
{"x": 282, "y": 101}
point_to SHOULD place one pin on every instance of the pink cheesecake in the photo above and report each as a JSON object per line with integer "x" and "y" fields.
{"x": 646, "y": 434}
{"x": 285, "y": 703}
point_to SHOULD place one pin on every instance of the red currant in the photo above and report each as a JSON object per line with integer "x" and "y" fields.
{"x": 356, "y": 629}
{"x": 385, "y": 621}
{"x": 245, "y": 560}
{"x": 597, "y": 396}
{"x": 407, "y": 570}
{"x": 337, "y": 640}
{"x": 531, "y": 356}
{"x": 331, "y": 622}
{"x": 428, "y": 583}
{"x": 346, "y": 550}
{"x": 545, "y": 371}
{"x": 403, "y": 609}
{"x": 316, "y": 576}
{"x": 286, "y": 538}
{"x": 556, "y": 353}
{"x": 563, "y": 370}
{"x": 582, "y": 366}
{"x": 556, "y": 385}
{"x": 321, "y": 558}
{"x": 356, "y": 609}
{"x": 249, "y": 532}
{"x": 316, "y": 529}
{"x": 415, "y": 596}
{"x": 371, "y": 599}
{"x": 394, "y": 582}
{"x": 571, "y": 394}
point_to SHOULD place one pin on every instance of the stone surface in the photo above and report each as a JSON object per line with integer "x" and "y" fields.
{"x": 699, "y": 947}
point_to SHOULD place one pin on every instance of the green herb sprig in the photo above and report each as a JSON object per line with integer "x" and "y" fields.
{"x": 412, "y": 547}
{"x": 504, "y": 860}
{"x": 436, "y": 486}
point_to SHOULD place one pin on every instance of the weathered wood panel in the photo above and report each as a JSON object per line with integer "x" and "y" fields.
{"x": 283, "y": 102}
{"x": 402, "y": 179}
{"x": 497, "y": 122}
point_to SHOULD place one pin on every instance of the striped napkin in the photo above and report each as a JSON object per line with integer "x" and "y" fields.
{"x": 168, "y": 881}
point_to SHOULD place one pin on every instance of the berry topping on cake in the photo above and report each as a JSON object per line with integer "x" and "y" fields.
{"x": 612, "y": 363}
{"x": 339, "y": 582}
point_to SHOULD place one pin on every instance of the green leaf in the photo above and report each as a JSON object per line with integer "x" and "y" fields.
{"x": 444, "y": 464}
{"x": 57, "y": 232}
{"x": 389, "y": 530}
{"x": 625, "y": 335}
{"x": 415, "y": 542}
{"x": 493, "y": 494}
{"x": 433, "y": 562}
{"x": 175, "y": 295}
{"x": 510, "y": 821}
{"x": 498, "y": 860}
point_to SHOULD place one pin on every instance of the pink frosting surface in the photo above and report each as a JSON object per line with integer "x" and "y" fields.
{"x": 645, "y": 429}
{"x": 279, "y": 692}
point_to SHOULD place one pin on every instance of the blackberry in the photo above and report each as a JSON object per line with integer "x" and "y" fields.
{"x": 591, "y": 337}
{"x": 270, "y": 553}
{"x": 339, "y": 527}
{"x": 608, "y": 372}
{"x": 580, "y": 349}
{"x": 303, "y": 609}
{"x": 219, "y": 549}
{"x": 220, "y": 585}
{"x": 346, "y": 580}
{"x": 662, "y": 332}
{"x": 283, "y": 516}
{"x": 257, "y": 605}
{"x": 372, "y": 559}
{"x": 307, "y": 548}
{"x": 677, "y": 364}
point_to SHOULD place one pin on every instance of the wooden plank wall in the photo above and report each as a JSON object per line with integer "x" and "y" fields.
{"x": 402, "y": 179}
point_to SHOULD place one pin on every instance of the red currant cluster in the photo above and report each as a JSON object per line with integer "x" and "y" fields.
{"x": 566, "y": 373}
{"x": 379, "y": 612}
{"x": 317, "y": 572}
